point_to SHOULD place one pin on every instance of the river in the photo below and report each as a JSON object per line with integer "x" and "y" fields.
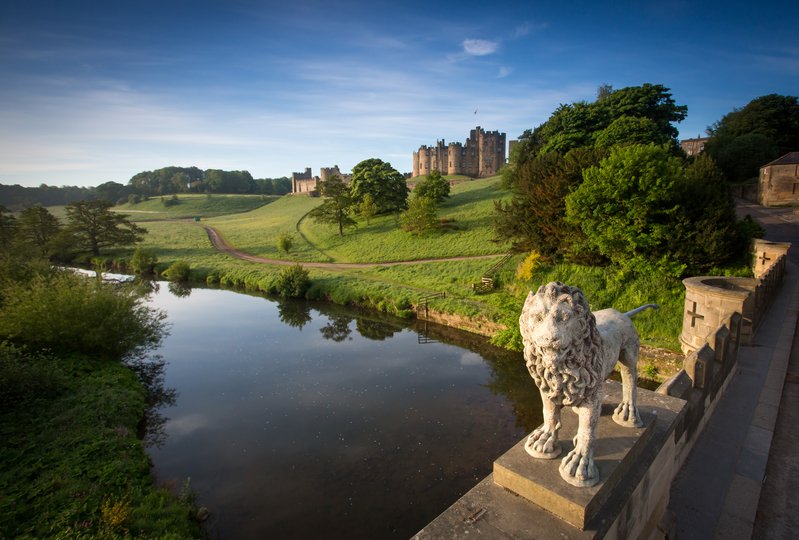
{"x": 301, "y": 420}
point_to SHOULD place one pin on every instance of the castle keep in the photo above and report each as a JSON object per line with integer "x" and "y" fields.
{"x": 483, "y": 155}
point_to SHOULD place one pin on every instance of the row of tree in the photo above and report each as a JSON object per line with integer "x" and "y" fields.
{"x": 606, "y": 182}
{"x": 89, "y": 226}
{"x": 164, "y": 181}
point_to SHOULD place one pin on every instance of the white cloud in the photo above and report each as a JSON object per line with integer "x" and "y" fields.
{"x": 479, "y": 47}
{"x": 504, "y": 71}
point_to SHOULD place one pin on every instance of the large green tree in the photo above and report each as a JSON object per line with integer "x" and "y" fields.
{"x": 8, "y": 227}
{"x": 645, "y": 212}
{"x": 94, "y": 225}
{"x": 337, "y": 207}
{"x": 433, "y": 186}
{"x": 746, "y": 139}
{"x": 386, "y": 185}
{"x": 632, "y": 115}
{"x": 37, "y": 227}
{"x": 535, "y": 217}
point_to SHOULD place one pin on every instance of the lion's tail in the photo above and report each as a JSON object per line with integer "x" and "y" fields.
{"x": 638, "y": 310}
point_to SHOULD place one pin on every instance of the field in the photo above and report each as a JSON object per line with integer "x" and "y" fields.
{"x": 191, "y": 205}
{"x": 397, "y": 288}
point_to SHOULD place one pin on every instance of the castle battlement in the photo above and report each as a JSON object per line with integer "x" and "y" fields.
{"x": 482, "y": 155}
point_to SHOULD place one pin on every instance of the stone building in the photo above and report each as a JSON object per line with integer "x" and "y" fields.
{"x": 693, "y": 147}
{"x": 306, "y": 182}
{"x": 482, "y": 155}
{"x": 779, "y": 181}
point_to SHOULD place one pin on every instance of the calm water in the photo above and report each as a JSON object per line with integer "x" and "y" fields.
{"x": 296, "y": 420}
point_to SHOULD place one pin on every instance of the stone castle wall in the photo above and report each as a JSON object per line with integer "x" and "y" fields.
{"x": 482, "y": 155}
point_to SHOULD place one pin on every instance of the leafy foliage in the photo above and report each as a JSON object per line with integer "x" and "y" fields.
{"x": 337, "y": 206}
{"x": 528, "y": 266}
{"x": 385, "y": 184}
{"x": 293, "y": 282}
{"x": 534, "y": 219}
{"x": 38, "y": 228}
{"x": 420, "y": 217}
{"x": 746, "y": 139}
{"x": 143, "y": 262}
{"x": 66, "y": 313}
{"x": 367, "y": 209}
{"x": 635, "y": 114}
{"x": 285, "y": 241}
{"x": 434, "y": 187}
{"x": 94, "y": 225}
{"x": 645, "y": 213}
{"x": 179, "y": 271}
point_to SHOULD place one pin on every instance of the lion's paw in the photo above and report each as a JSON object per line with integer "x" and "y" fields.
{"x": 626, "y": 415}
{"x": 579, "y": 469}
{"x": 543, "y": 444}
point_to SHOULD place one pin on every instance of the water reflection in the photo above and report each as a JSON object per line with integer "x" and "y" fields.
{"x": 351, "y": 429}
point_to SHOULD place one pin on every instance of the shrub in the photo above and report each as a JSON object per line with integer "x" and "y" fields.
{"x": 177, "y": 271}
{"x": 65, "y": 312}
{"x": 143, "y": 262}
{"x": 285, "y": 242}
{"x": 420, "y": 217}
{"x": 528, "y": 266}
{"x": 293, "y": 282}
{"x": 25, "y": 376}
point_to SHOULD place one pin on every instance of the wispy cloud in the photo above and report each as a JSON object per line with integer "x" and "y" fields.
{"x": 504, "y": 71}
{"x": 479, "y": 47}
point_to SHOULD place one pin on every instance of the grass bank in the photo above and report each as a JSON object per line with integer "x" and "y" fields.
{"x": 73, "y": 466}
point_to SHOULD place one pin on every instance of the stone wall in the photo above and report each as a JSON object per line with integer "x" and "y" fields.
{"x": 779, "y": 181}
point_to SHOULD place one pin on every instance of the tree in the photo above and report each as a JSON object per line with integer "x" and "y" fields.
{"x": 8, "y": 227}
{"x": 581, "y": 124}
{"x": 535, "y": 217}
{"x": 38, "y": 227}
{"x": 367, "y": 208}
{"x": 337, "y": 206}
{"x": 94, "y": 225}
{"x": 420, "y": 217}
{"x": 385, "y": 184}
{"x": 626, "y": 207}
{"x": 434, "y": 186}
{"x": 748, "y": 138}
{"x": 645, "y": 212}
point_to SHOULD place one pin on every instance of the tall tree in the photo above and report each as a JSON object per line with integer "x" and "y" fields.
{"x": 8, "y": 227}
{"x": 38, "y": 227}
{"x": 337, "y": 207}
{"x": 746, "y": 139}
{"x": 386, "y": 185}
{"x": 94, "y": 225}
{"x": 433, "y": 186}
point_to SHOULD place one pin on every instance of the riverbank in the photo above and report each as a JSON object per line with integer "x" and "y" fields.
{"x": 74, "y": 463}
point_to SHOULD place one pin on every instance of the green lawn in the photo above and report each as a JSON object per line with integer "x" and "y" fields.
{"x": 469, "y": 212}
{"x": 191, "y": 205}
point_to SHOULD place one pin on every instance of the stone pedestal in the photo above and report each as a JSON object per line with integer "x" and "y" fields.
{"x": 709, "y": 302}
{"x": 627, "y": 503}
{"x": 617, "y": 448}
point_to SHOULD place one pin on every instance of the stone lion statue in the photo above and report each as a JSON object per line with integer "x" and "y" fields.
{"x": 569, "y": 352}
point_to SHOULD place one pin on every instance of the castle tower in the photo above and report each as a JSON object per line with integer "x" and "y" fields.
{"x": 483, "y": 155}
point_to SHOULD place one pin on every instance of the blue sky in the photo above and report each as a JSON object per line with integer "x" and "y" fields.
{"x": 98, "y": 91}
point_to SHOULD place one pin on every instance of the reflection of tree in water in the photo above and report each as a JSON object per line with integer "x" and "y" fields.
{"x": 375, "y": 330}
{"x": 509, "y": 375}
{"x": 337, "y": 329}
{"x": 146, "y": 286}
{"x": 151, "y": 374}
{"x": 293, "y": 313}
{"x": 181, "y": 290}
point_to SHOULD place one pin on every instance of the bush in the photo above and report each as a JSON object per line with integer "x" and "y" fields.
{"x": 25, "y": 376}
{"x": 65, "y": 312}
{"x": 529, "y": 265}
{"x": 177, "y": 271}
{"x": 143, "y": 262}
{"x": 293, "y": 282}
{"x": 285, "y": 242}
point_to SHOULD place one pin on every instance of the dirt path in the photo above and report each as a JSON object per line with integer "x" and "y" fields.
{"x": 220, "y": 244}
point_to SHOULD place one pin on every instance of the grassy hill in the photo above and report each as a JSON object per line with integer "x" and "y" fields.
{"x": 190, "y": 205}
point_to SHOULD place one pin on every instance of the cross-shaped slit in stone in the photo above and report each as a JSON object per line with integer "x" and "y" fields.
{"x": 763, "y": 259}
{"x": 694, "y": 316}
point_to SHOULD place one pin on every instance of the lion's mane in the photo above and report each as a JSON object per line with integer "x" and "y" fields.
{"x": 567, "y": 373}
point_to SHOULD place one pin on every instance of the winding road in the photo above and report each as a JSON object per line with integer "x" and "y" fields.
{"x": 220, "y": 244}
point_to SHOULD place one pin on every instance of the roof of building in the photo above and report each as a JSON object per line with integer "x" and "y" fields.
{"x": 788, "y": 159}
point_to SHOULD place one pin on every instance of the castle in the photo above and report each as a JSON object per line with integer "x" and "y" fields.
{"x": 483, "y": 155}
{"x": 306, "y": 182}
